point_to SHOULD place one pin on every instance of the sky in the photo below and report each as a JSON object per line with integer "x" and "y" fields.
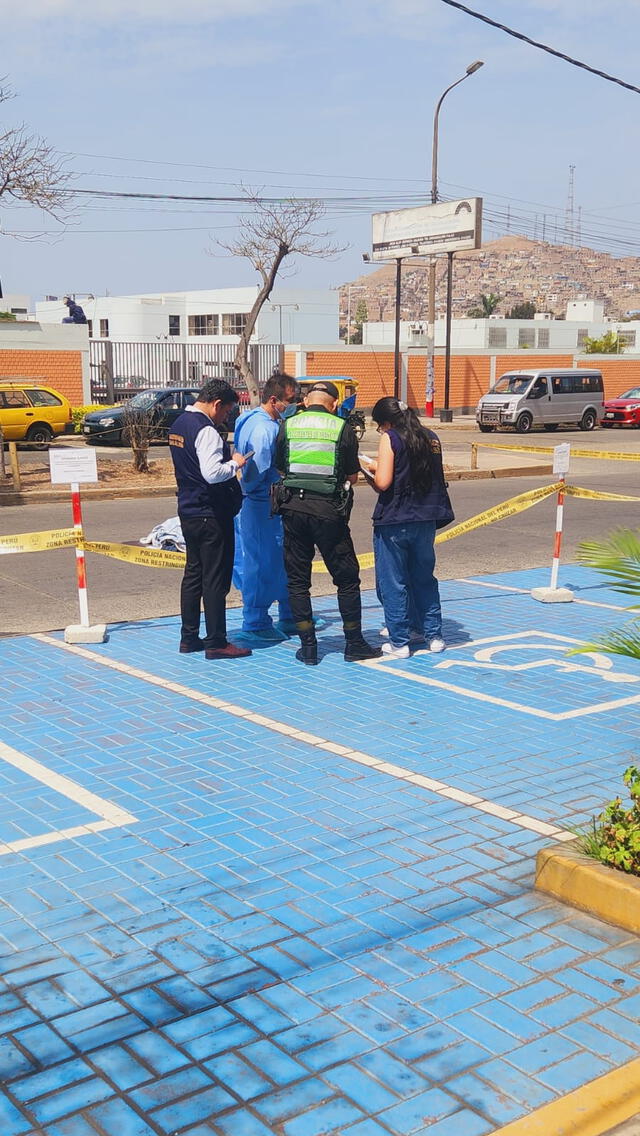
{"x": 316, "y": 98}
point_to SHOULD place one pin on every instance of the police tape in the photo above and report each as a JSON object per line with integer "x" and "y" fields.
{"x": 603, "y": 455}
{"x": 37, "y": 541}
{"x": 164, "y": 558}
{"x": 133, "y": 554}
{"x": 499, "y": 512}
{"x": 596, "y": 494}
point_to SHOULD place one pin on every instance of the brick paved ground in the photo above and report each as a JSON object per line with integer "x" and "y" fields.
{"x": 297, "y": 901}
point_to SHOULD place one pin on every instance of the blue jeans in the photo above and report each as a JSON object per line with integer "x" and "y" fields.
{"x": 407, "y": 588}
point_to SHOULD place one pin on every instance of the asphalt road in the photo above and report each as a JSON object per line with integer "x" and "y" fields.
{"x": 37, "y": 590}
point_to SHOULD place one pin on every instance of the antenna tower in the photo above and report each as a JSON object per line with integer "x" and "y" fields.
{"x": 569, "y": 212}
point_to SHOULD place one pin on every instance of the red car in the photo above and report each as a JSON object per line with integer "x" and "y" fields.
{"x": 623, "y": 411}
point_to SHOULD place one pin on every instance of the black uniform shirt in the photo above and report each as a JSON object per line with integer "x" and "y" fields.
{"x": 318, "y": 504}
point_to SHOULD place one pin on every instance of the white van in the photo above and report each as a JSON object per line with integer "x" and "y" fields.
{"x": 524, "y": 399}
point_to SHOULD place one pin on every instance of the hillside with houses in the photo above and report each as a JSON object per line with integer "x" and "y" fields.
{"x": 515, "y": 268}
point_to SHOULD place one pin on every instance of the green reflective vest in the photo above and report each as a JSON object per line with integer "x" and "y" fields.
{"x": 312, "y": 451}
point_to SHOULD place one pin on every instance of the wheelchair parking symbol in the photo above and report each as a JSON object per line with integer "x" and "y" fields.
{"x": 507, "y": 665}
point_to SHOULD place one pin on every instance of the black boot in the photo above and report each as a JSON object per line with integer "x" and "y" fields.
{"x": 357, "y": 649}
{"x": 308, "y": 652}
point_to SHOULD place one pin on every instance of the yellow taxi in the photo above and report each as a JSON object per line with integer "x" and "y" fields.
{"x": 33, "y": 412}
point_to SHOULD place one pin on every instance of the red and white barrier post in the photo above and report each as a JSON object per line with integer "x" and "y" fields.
{"x": 81, "y": 570}
{"x": 71, "y": 466}
{"x": 555, "y": 564}
{"x": 554, "y": 594}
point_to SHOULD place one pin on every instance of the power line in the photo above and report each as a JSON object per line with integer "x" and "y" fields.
{"x": 541, "y": 46}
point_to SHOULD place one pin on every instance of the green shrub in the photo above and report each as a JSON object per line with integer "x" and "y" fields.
{"x": 614, "y": 836}
{"x": 78, "y": 413}
{"x": 7, "y": 316}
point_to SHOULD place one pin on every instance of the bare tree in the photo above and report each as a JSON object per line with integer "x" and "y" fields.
{"x": 30, "y": 169}
{"x": 139, "y": 429}
{"x": 269, "y": 234}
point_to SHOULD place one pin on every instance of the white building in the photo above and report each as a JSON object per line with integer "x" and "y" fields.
{"x": 291, "y": 315}
{"x": 19, "y": 305}
{"x": 540, "y": 334}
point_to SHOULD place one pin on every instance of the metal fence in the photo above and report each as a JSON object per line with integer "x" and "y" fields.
{"x": 118, "y": 370}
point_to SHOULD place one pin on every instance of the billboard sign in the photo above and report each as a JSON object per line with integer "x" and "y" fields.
{"x": 448, "y": 226}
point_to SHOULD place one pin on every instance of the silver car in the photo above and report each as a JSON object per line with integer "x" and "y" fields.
{"x": 547, "y": 398}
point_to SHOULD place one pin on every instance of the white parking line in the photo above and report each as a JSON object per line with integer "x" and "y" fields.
{"x": 111, "y": 816}
{"x": 440, "y": 788}
{"x": 527, "y": 592}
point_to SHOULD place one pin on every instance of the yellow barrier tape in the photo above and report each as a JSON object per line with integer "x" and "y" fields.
{"x": 604, "y": 455}
{"x": 133, "y": 554}
{"x": 596, "y": 494}
{"x": 365, "y": 560}
{"x": 499, "y": 512}
{"x": 161, "y": 558}
{"x": 37, "y": 541}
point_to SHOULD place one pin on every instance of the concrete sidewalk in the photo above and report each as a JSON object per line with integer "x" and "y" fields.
{"x": 253, "y": 898}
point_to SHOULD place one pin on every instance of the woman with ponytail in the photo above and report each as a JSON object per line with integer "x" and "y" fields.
{"x": 412, "y": 503}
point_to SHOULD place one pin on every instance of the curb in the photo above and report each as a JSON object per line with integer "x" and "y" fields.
{"x": 576, "y": 879}
{"x": 589, "y": 1111}
{"x": 42, "y": 496}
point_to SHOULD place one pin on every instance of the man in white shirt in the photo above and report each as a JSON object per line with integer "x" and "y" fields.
{"x": 209, "y": 496}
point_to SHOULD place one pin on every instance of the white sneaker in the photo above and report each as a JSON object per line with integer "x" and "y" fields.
{"x": 436, "y": 645}
{"x": 392, "y": 652}
{"x": 414, "y": 636}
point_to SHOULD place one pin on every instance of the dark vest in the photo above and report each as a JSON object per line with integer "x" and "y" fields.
{"x": 196, "y": 498}
{"x": 400, "y": 504}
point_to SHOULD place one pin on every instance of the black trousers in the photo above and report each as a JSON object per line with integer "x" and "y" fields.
{"x": 210, "y": 545}
{"x": 303, "y": 533}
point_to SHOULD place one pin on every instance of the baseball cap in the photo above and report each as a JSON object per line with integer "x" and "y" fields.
{"x": 327, "y": 388}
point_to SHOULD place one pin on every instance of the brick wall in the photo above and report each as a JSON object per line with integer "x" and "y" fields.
{"x": 61, "y": 370}
{"x": 619, "y": 374}
{"x": 372, "y": 369}
{"x": 57, "y": 355}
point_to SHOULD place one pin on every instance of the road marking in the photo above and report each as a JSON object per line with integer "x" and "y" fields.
{"x": 527, "y": 592}
{"x": 508, "y": 704}
{"x": 439, "y": 788}
{"x": 111, "y": 815}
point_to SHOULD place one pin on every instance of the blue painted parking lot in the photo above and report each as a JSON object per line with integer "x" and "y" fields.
{"x": 257, "y": 898}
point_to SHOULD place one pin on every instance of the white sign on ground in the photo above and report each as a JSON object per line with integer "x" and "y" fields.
{"x": 448, "y": 226}
{"x": 69, "y": 465}
{"x": 561, "y": 458}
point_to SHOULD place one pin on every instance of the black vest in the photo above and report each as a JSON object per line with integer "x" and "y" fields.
{"x": 400, "y": 504}
{"x": 196, "y": 497}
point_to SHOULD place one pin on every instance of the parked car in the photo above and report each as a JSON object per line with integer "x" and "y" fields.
{"x": 624, "y": 410}
{"x": 109, "y": 426}
{"x": 546, "y": 397}
{"x": 33, "y": 412}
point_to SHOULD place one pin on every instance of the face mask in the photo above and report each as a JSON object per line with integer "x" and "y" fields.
{"x": 290, "y": 410}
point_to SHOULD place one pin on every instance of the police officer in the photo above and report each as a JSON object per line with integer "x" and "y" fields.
{"x": 317, "y": 453}
{"x": 209, "y": 496}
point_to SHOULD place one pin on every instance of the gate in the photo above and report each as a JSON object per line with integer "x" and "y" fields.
{"x": 119, "y": 370}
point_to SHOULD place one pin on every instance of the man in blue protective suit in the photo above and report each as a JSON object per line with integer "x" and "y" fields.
{"x": 264, "y": 579}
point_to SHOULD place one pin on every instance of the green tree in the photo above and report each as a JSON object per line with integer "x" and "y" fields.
{"x": 524, "y": 311}
{"x": 361, "y": 316}
{"x": 486, "y": 307}
{"x": 607, "y": 344}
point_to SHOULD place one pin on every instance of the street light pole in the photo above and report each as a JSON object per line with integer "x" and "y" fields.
{"x": 431, "y": 304}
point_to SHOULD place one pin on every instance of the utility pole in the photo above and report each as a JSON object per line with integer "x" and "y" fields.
{"x": 431, "y": 304}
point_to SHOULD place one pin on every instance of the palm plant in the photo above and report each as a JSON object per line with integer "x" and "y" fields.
{"x": 618, "y": 557}
{"x": 488, "y": 304}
